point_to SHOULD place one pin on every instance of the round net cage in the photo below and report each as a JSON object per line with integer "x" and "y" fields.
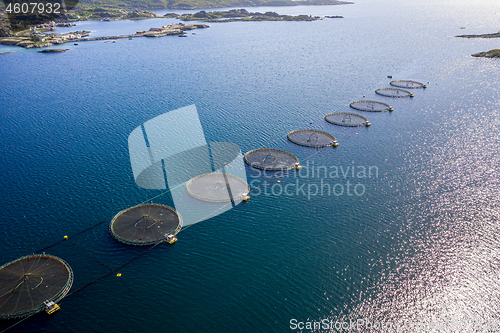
{"x": 217, "y": 187}
{"x": 311, "y": 138}
{"x": 346, "y": 119}
{"x": 28, "y": 282}
{"x": 407, "y": 84}
{"x": 271, "y": 159}
{"x": 370, "y": 106}
{"x": 146, "y": 224}
{"x": 392, "y": 92}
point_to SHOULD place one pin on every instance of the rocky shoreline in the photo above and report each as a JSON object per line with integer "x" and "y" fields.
{"x": 72, "y": 37}
{"x": 39, "y": 37}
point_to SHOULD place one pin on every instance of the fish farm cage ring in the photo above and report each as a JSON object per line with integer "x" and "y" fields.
{"x": 145, "y": 224}
{"x": 217, "y": 187}
{"x": 392, "y": 92}
{"x": 407, "y": 84}
{"x": 28, "y": 282}
{"x": 346, "y": 119}
{"x": 311, "y": 138}
{"x": 370, "y": 106}
{"x": 271, "y": 159}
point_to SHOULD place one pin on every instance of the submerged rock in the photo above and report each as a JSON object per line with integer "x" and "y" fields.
{"x": 53, "y": 51}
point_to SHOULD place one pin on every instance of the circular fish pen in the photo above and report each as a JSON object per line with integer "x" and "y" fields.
{"x": 346, "y": 119}
{"x": 217, "y": 187}
{"x": 271, "y": 159}
{"x": 312, "y": 138}
{"x": 28, "y": 282}
{"x": 370, "y": 106}
{"x": 407, "y": 84}
{"x": 393, "y": 92}
{"x": 146, "y": 224}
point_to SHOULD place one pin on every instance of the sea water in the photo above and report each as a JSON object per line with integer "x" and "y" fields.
{"x": 419, "y": 245}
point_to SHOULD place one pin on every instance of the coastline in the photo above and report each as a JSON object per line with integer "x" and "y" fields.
{"x": 73, "y": 38}
{"x": 39, "y": 37}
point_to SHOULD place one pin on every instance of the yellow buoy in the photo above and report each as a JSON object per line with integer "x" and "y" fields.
{"x": 65, "y": 237}
{"x": 246, "y": 198}
{"x": 391, "y": 109}
{"x": 356, "y": 133}
{"x": 367, "y": 123}
{"x": 411, "y": 95}
{"x": 310, "y": 122}
{"x": 363, "y": 95}
{"x": 279, "y": 181}
{"x": 119, "y": 274}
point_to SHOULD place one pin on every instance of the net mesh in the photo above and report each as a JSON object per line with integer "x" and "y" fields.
{"x": 392, "y": 92}
{"x": 271, "y": 159}
{"x": 26, "y": 283}
{"x": 407, "y": 84}
{"x": 217, "y": 187}
{"x": 346, "y": 119}
{"x": 370, "y": 106}
{"x": 311, "y": 138}
{"x": 145, "y": 224}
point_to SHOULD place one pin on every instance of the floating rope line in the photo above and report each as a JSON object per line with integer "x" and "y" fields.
{"x": 90, "y": 255}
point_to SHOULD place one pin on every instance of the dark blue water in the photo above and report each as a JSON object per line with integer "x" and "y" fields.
{"x": 420, "y": 245}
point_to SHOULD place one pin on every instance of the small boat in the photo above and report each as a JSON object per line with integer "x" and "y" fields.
{"x": 106, "y": 19}
{"x": 183, "y": 35}
{"x": 389, "y": 76}
{"x": 75, "y": 44}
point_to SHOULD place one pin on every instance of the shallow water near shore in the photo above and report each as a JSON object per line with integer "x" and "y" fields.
{"x": 419, "y": 245}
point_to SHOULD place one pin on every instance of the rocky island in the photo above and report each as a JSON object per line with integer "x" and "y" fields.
{"x": 204, "y": 4}
{"x": 493, "y": 35}
{"x": 495, "y": 53}
{"x": 241, "y": 15}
